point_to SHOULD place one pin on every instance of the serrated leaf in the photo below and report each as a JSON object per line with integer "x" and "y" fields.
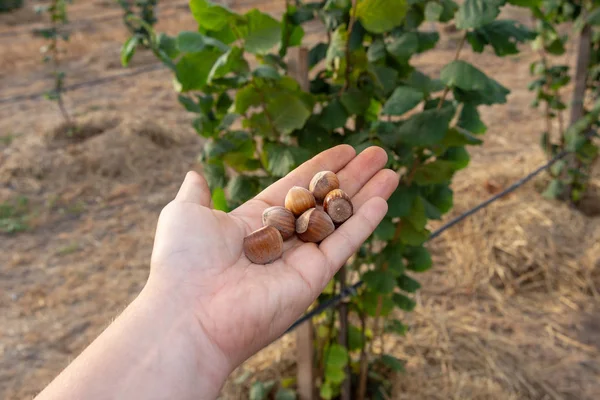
{"x": 417, "y": 216}
{"x": 403, "y": 302}
{"x": 393, "y": 257}
{"x": 168, "y": 45}
{"x": 279, "y": 159}
{"x": 502, "y": 35}
{"x": 555, "y": 189}
{"x": 242, "y": 188}
{"x": 193, "y": 69}
{"x": 385, "y": 77}
{"x": 231, "y": 61}
{"x": 245, "y": 98}
{"x": 459, "y": 137}
{"x": 401, "y": 201}
{"x": 426, "y": 128}
{"x": 128, "y": 50}
{"x": 379, "y": 281}
{"x": 402, "y": 100}
{"x": 379, "y": 16}
{"x": 214, "y": 173}
{"x": 266, "y": 71}
{"x": 376, "y": 51}
{"x": 459, "y": 156}
{"x": 264, "y": 32}
{"x": 288, "y": 112}
{"x": 395, "y": 326}
{"x": 404, "y": 46}
{"x": 477, "y": 13}
{"x": 433, "y": 11}
{"x": 337, "y": 46}
{"x": 408, "y": 284}
{"x": 478, "y": 87}
{"x": 423, "y": 83}
{"x": 418, "y": 258}
{"x": 439, "y": 171}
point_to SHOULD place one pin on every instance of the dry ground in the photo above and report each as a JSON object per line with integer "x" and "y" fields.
{"x": 510, "y": 311}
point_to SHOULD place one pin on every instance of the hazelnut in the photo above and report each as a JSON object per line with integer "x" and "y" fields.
{"x": 338, "y": 206}
{"x": 299, "y": 200}
{"x": 264, "y": 245}
{"x": 323, "y": 183}
{"x": 280, "y": 218}
{"x": 314, "y": 225}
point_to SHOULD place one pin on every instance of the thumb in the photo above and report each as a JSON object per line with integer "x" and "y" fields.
{"x": 194, "y": 189}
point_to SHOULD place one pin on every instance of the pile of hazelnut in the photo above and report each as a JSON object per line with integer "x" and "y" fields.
{"x": 312, "y": 214}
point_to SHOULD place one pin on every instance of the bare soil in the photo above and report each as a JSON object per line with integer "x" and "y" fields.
{"x": 511, "y": 309}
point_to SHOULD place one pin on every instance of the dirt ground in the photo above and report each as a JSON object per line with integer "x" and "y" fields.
{"x": 511, "y": 309}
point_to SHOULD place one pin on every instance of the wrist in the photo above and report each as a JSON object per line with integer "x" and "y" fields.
{"x": 210, "y": 366}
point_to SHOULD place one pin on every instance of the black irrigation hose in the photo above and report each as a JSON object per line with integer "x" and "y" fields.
{"x": 351, "y": 290}
{"x": 94, "y": 82}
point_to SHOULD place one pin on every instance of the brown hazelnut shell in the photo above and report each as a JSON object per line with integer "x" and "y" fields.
{"x": 280, "y": 218}
{"x": 264, "y": 245}
{"x": 298, "y": 200}
{"x": 322, "y": 183}
{"x": 314, "y": 226}
{"x": 338, "y": 206}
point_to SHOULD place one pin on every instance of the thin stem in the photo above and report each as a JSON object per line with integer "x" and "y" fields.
{"x": 349, "y": 32}
{"x": 343, "y": 335}
{"x": 364, "y": 363}
{"x": 456, "y": 56}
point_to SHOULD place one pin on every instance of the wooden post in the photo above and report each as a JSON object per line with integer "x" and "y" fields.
{"x": 298, "y": 69}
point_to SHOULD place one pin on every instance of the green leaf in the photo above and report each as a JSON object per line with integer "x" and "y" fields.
{"x": 193, "y": 69}
{"x": 385, "y": 230}
{"x": 459, "y": 156}
{"x": 242, "y": 188}
{"x": 264, "y": 32}
{"x": 408, "y": 284}
{"x": 279, "y": 159}
{"x": 214, "y": 172}
{"x": 426, "y": 128}
{"x": 417, "y": 216}
{"x": 525, "y": 3}
{"x": 385, "y": 77}
{"x": 477, "y": 13}
{"x": 423, "y": 83}
{"x": 594, "y": 17}
{"x": 355, "y": 339}
{"x": 403, "y": 302}
{"x": 370, "y": 301}
{"x": 317, "y": 53}
{"x": 210, "y": 16}
{"x": 440, "y": 196}
{"x": 555, "y": 189}
{"x": 326, "y": 392}
{"x": 167, "y": 45}
{"x": 402, "y": 48}
{"x": 245, "y": 98}
{"x": 393, "y": 257}
{"x": 418, "y": 258}
{"x": 401, "y": 201}
{"x": 288, "y": 112}
{"x": 470, "y": 120}
{"x": 462, "y": 75}
{"x": 502, "y": 35}
{"x": 433, "y": 11}
{"x": 333, "y": 116}
{"x": 231, "y": 61}
{"x": 219, "y": 201}
{"x": 337, "y": 47}
{"x": 459, "y": 137}
{"x": 376, "y": 51}
{"x": 128, "y": 50}
{"x": 392, "y": 362}
{"x": 402, "y": 100}
{"x": 439, "y": 171}
{"x": 379, "y": 16}
{"x": 267, "y": 72}
{"x": 395, "y": 326}
{"x": 379, "y": 281}
{"x": 285, "y": 394}
{"x": 334, "y": 374}
{"x": 411, "y": 236}
{"x": 190, "y": 42}
{"x": 355, "y": 101}
{"x": 337, "y": 356}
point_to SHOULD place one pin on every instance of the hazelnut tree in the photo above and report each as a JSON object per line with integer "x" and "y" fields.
{"x": 232, "y": 73}
{"x": 569, "y": 176}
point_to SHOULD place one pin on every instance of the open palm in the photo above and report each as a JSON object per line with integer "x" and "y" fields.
{"x": 242, "y": 306}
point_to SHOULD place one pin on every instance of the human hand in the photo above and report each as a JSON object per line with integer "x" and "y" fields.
{"x": 240, "y": 307}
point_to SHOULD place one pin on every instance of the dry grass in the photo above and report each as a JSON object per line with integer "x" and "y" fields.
{"x": 510, "y": 311}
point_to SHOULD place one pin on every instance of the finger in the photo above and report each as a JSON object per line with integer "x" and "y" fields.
{"x": 194, "y": 189}
{"x": 333, "y": 159}
{"x": 381, "y": 185}
{"x": 362, "y": 168}
{"x": 346, "y": 240}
